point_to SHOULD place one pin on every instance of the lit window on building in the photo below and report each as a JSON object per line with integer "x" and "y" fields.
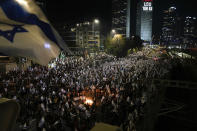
{"x": 145, "y": 8}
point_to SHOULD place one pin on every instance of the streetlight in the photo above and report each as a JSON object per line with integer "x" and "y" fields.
{"x": 96, "y": 21}
{"x": 113, "y": 31}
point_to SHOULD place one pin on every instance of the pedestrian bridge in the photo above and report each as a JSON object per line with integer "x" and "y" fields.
{"x": 156, "y": 97}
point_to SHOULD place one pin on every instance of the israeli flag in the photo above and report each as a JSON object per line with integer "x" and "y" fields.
{"x": 26, "y": 32}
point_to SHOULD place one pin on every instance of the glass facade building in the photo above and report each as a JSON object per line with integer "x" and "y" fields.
{"x": 172, "y": 27}
{"x": 121, "y": 17}
{"x": 144, "y": 19}
{"x": 190, "y": 31}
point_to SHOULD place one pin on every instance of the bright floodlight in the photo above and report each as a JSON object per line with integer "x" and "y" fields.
{"x": 96, "y": 21}
{"x": 47, "y": 46}
{"x": 113, "y": 31}
{"x": 22, "y": 2}
{"x": 173, "y": 8}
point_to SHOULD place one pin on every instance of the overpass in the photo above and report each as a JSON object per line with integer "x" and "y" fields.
{"x": 156, "y": 98}
{"x": 175, "y": 84}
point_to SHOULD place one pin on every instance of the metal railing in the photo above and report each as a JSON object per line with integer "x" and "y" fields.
{"x": 176, "y": 84}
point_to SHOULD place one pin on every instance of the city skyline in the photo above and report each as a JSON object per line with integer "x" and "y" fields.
{"x": 101, "y": 9}
{"x": 63, "y": 11}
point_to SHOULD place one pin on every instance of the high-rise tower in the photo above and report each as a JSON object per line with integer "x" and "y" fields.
{"x": 190, "y": 31}
{"x": 121, "y": 21}
{"x": 144, "y": 19}
{"x": 172, "y": 27}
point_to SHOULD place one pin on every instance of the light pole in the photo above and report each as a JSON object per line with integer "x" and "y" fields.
{"x": 96, "y": 21}
{"x": 113, "y": 32}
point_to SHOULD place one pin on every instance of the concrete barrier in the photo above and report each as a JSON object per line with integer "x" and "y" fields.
{"x": 9, "y": 110}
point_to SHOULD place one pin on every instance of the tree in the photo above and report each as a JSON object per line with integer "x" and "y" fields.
{"x": 114, "y": 45}
{"x": 119, "y": 45}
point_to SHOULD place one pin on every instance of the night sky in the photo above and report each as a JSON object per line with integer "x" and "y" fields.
{"x": 75, "y": 10}
{"x": 71, "y": 11}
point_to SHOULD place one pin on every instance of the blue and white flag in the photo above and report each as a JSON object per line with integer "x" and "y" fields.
{"x": 26, "y": 32}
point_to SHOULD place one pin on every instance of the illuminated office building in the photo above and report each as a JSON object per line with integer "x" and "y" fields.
{"x": 190, "y": 30}
{"x": 121, "y": 17}
{"x": 144, "y": 19}
{"x": 190, "y": 26}
{"x": 172, "y": 28}
{"x": 87, "y": 35}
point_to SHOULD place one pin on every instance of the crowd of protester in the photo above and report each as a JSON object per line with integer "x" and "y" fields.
{"x": 55, "y": 98}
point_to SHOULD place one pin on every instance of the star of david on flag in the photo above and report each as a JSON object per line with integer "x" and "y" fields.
{"x": 26, "y": 32}
{"x": 9, "y": 34}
